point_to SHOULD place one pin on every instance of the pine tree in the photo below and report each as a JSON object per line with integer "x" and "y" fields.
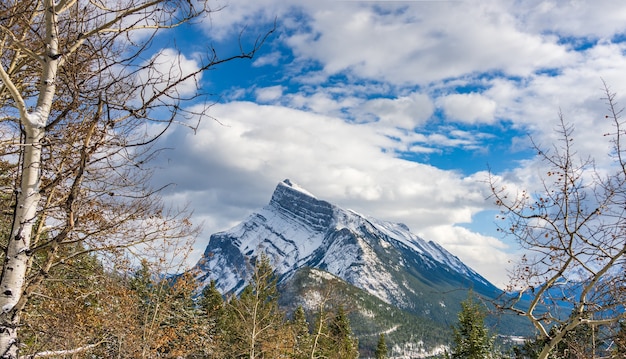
{"x": 471, "y": 337}
{"x": 341, "y": 341}
{"x": 301, "y": 336}
{"x": 213, "y": 309}
{"x": 212, "y": 305}
{"x": 148, "y": 298}
{"x": 381, "y": 348}
{"x": 255, "y": 321}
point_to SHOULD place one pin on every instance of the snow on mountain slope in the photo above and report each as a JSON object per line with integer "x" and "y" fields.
{"x": 298, "y": 230}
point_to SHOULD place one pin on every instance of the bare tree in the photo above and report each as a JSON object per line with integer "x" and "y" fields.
{"x": 82, "y": 102}
{"x": 573, "y": 231}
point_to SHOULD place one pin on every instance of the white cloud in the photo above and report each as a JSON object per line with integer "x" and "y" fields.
{"x": 487, "y": 255}
{"x": 576, "y": 91}
{"x": 166, "y": 68}
{"x": 230, "y": 17}
{"x": 323, "y": 101}
{"x": 366, "y": 78}
{"x": 409, "y": 43}
{"x": 600, "y": 18}
{"x": 405, "y": 112}
{"x": 423, "y": 42}
{"x": 270, "y": 59}
{"x": 469, "y": 108}
{"x": 268, "y": 94}
{"x": 235, "y": 164}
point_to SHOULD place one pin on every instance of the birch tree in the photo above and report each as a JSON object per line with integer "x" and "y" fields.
{"x": 573, "y": 231}
{"x": 84, "y": 94}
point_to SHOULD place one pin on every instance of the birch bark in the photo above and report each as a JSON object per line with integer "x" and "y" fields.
{"x": 18, "y": 254}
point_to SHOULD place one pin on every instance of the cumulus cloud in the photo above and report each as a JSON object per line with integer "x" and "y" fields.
{"x": 485, "y": 254}
{"x": 166, "y": 68}
{"x": 267, "y": 94}
{"x": 235, "y": 164}
{"x": 575, "y": 92}
{"x": 423, "y": 42}
{"x": 469, "y": 108}
{"x": 405, "y": 112}
{"x": 231, "y": 17}
{"x": 599, "y": 19}
{"x": 269, "y": 59}
{"x": 322, "y": 101}
{"x": 360, "y": 83}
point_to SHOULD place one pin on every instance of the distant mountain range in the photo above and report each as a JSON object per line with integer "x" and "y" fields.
{"x": 386, "y": 268}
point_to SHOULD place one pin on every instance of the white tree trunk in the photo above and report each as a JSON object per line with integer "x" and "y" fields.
{"x": 18, "y": 252}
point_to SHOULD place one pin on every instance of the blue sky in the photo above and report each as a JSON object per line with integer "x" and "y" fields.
{"x": 396, "y": 109}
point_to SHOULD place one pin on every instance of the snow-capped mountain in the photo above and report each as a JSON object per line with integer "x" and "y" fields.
{"x": 298, "y": 230}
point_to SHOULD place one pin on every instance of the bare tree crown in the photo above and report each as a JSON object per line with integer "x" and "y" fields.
{"x": 572, "y": 231}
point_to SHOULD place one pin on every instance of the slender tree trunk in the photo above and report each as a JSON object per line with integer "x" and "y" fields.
{"x": 18, "y": 247}
{"x": 318, "y": 333}
{"x": 18, "y": 251}
{"x": 254, "y": 334}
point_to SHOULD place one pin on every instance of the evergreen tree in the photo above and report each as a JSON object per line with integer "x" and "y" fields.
{"x": 529, "y": 350}
{"x": 301, "y": 336}
{"x": 342, "y": 343}
{"x": 148, "y": 295}
{"x": 212, "y": 305}
{"x": 381, "y": 348}
{"x": 211, "y": 301}
{"x": 471, "y": 337}
{"x": 255, "y": 321}
{"x": 214, "y": 312}
{"x": 142, "y": 285}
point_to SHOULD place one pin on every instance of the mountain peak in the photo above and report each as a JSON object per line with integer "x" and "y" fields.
{"x": 298, "y": 230}
{"x": 299, "y": 233}
{"x": 288, "y": 183}
{"x": 296, "y": 202}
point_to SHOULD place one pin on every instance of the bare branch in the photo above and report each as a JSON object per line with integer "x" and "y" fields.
{"x": 573, "y": 231}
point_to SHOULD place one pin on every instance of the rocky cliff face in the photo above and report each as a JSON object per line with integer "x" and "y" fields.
{"x": 298, "y": 230}
{"x": 298, "y": 205}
